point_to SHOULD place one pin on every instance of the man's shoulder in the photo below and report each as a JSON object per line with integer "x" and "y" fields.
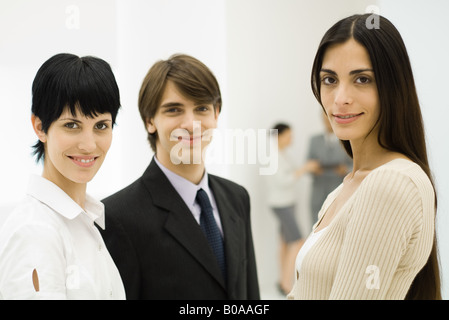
{"x": 227, "y": 185}
{"x": 133, "y": 190}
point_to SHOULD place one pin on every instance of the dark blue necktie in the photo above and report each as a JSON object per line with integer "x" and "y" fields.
{"x": 210, "y": 229}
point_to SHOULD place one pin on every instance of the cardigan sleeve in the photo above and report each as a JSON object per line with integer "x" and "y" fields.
{"x": 386, "y": 213}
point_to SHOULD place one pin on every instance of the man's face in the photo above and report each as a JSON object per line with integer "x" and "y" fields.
{"x": 184, "y": 128}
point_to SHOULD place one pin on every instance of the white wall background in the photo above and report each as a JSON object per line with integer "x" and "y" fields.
{"x": 425, "y": 33}
{"x": 261, "y": 52}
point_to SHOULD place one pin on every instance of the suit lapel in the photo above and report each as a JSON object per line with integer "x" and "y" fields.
{"x": 180, "y": 223}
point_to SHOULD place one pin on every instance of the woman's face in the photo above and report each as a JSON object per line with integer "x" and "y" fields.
{"x": 349, "y": 92}
{"x": 75, "y": 147}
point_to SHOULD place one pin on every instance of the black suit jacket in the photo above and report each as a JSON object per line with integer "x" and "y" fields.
{"x": 159, "y": 247}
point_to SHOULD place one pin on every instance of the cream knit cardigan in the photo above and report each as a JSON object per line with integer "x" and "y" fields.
{"x": 377, "y": 242}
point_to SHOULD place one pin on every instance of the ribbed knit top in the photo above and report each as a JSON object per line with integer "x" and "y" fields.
{"x": 377, "y": 242}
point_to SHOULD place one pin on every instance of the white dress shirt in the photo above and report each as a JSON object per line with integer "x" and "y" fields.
{"x": 52, "y": 234}
{"x": 188, "y": 190}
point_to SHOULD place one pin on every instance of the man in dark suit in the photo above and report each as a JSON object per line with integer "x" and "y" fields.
{"x": 178, "y": 232}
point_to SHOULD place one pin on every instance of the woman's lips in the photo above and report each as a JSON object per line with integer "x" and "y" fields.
{"x": 83, "y": 161}
{"x": 347, "y": 118}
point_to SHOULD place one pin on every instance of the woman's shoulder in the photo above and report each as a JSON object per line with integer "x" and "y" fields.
{"x": 399, "y": 179}
{"x": 30, "y": 212}
{"x": 397, "y": 191}
{"x": 399, "y": 164}
{"x": 405, "y": 170}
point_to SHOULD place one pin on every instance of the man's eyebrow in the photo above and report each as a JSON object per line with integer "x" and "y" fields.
{"x": 171, "y": 105}
{"x": 179, "y": 104}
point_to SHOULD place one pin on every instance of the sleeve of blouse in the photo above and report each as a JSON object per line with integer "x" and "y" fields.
{"x": 385, "y": 214}
{"x": 32, "y": 254}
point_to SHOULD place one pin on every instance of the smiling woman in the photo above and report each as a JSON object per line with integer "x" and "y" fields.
{"x": 49, "y": 246}
{"x": 375, "y": 235}
{"x": 80, "y": 86}
{"x": 74, "y": 140}
{"x": 348, "y": 91}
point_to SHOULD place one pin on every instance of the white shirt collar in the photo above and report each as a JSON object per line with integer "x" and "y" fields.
{"x": 185, "y": 188}
{"x": 54, "y": 197}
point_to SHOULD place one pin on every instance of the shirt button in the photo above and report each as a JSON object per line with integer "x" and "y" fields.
{"x": 100, "y": 247}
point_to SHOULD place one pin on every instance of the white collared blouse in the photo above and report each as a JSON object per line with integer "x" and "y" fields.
{"x": 51, "y": 236}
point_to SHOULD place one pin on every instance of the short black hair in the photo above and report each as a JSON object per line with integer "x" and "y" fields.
{"x": 65, "y": 81}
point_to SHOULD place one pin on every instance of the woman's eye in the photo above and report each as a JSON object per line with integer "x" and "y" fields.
{"x": 71, "y": 125}
{"x": 101, "y": 126}
{"x": 363, "y": 80}
{"x": 328, "y": 80}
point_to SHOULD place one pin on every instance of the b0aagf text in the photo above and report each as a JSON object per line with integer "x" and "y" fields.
{"x": 233, "y": 309}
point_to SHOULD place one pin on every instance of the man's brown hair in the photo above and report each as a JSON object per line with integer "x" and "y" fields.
{"x": 191, "y": 77}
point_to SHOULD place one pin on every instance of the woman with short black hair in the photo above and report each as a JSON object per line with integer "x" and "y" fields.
{"x": 50, "y": 247}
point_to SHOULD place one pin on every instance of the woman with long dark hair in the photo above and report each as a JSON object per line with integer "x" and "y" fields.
{"x": 375, "y": 236}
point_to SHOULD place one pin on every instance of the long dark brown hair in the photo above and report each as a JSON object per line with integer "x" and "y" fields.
{"x": 400, "y": 122}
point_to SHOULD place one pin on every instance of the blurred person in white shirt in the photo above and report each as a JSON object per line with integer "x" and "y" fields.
{"x": 282, "y": 197}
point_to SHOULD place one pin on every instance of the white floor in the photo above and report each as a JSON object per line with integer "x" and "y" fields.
{"x": 270, "y": 292}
